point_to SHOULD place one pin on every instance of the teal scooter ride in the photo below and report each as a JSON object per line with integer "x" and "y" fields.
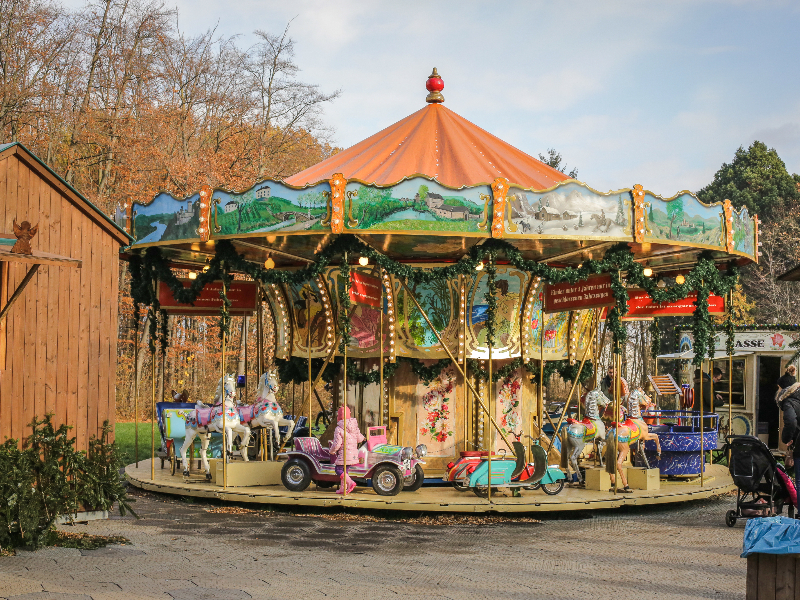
{"x": 515, "y": 473}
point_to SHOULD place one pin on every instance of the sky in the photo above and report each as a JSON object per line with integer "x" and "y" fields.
{"x": 657, "y": 93}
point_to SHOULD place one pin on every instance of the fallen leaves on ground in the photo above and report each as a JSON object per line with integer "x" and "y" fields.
{"x": 435, "y": 519}
{"x": 86, "y": 541}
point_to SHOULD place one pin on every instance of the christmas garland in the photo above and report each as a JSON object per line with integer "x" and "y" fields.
{"x": 655, "y": 338}
{"x": 705, "y": 277}
{"x": 491, "y": 298}
{"x": 566, "y": 371}
{"x": 344, "y": 306}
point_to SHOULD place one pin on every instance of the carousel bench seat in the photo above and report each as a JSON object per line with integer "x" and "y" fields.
{"x": 312, "y": 447}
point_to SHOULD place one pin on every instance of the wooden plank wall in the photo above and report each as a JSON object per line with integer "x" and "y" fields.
{"x": 62, "y": 334}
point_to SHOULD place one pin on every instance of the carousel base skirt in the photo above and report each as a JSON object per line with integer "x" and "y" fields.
{"x": 432, "y": 499}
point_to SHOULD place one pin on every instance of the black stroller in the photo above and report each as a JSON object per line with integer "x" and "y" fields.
{"x": 763, "y": 487}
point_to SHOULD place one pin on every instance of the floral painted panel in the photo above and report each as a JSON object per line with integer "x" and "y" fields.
{"x": 508, "y": 412}
{"x": 435, "y": 414}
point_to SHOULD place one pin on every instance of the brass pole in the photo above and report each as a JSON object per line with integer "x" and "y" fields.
{"x": 455, "y": 362}
{"x": 702, "y": 443}
{"x": 540, "y": 400}
{"x": 260, "y": 334}
{"x": 308, "y": 324}
{"x": 344, "y": 412}
{"x": 222, "y": 398}
{"x": 711, "y": 400}
{"x": 491, "y": 436}
{"x": 380, "y": 343}
{"x": 153, "y": 413}
{"x": 617, "y": 393}
{"x": 136, "y": 416}
{"x": 574, "y": 386}
{"x": 730, "y": 381}
{"x": 467, "y": 411}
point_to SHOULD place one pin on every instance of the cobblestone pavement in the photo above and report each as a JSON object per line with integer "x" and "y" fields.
{"x": 181, "y": 551}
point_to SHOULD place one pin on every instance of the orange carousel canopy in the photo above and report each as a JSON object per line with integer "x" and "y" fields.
{"x": 436, "y": 142}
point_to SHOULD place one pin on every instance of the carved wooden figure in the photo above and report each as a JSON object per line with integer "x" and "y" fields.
{"x": 25, "y": 234}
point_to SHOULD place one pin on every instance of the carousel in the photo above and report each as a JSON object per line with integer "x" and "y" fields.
{"x": 436, "y": 277}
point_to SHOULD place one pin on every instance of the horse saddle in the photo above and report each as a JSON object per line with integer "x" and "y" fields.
{"x": 633, "y": 434}
{"x": 591, "y": 427}
{"x": 246, "y": 413}
{"x": 202, "y": 416}
{"x": 266, "y": 406}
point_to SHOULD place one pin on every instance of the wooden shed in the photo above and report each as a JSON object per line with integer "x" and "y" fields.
{"x": 59, "y": 325}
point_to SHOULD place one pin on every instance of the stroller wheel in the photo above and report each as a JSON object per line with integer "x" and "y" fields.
{"x": 730, "y": 518}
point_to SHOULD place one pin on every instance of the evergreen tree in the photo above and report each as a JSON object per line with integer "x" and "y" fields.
{"x": 756, "y": 178}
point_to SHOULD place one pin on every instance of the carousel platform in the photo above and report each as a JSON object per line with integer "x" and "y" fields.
{"x": 434, "y": 499}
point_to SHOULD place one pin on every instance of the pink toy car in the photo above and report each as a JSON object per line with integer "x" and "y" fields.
{"x": 391, "y": 468}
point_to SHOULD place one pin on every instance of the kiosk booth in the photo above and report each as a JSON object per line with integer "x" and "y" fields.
{"x": 761, "y": 357}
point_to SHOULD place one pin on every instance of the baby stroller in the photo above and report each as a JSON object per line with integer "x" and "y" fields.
{"x": 763, "y": 487}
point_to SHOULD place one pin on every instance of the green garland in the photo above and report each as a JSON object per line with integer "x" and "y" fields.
{"x": 705, "y": 277}
{"x": 655, "y": 338}
{"x": 491, "y": 298}
{"x": 344, "y": 306}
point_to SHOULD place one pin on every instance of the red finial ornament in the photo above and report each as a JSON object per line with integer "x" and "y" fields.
{"x": 434, "y": 85}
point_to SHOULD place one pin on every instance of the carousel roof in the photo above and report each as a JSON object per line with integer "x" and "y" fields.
{"x": 437, "y": 142}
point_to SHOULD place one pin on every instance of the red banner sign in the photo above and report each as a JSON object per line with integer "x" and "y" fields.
{"x": 365, "y": 289}
{"x": 242, "y": 294}
{"x": 594, "y": 292}
{"x": 641, "y": 305}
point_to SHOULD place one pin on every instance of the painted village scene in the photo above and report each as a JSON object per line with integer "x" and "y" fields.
{"x": 282, "y": 314}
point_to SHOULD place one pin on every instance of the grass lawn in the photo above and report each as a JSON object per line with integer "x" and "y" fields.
{"x": 125, "y": 437}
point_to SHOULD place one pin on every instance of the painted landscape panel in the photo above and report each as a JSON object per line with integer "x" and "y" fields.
{"x": 267, "y": 206}
{"x": 743, "y": 232}
{"x": 437, "y": 299}
{"x": 506, "y": 327}
{"x": 684, "y": 219}
{"x": 416, "y": 204}
{"x": 570, "y": 209}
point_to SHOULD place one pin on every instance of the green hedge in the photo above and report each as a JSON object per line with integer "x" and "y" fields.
{"x": 48, "y": 477}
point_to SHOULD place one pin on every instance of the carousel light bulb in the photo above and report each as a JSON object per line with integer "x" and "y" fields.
{"x": 648, "y": 272}
{"x": 479, "y": 266}
{"x": 680, "y": 279}
{"x": 269, "y": 263}
{"x": 192, "y": 275}
{"x": 363, "y": 261}
{"x": 205, "y": 269}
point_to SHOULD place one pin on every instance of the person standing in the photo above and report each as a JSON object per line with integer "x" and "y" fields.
{"x": 708, "y": 406}
{"x": 788, "y": 379}
{"x": 789, "y": 404}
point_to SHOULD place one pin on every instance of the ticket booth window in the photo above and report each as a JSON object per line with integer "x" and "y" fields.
{"x": 738, "y": 389}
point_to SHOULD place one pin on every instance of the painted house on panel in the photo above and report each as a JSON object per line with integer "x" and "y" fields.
{"x": 58, "y": 330}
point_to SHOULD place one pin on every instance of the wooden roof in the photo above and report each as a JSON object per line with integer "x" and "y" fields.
{"x": 70, "y": 193}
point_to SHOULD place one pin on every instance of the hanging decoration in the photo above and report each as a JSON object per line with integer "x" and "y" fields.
{"x": 705, "y": 277}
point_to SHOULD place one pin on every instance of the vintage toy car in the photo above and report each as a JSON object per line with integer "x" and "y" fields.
{"x": 391, "y": 468}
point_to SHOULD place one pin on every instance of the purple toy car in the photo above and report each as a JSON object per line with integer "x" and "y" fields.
{"x": 391, "y": 468}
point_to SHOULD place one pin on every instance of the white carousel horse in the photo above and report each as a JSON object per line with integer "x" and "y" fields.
{"x": 203, "y": 421}
{"x": 265, "y": 411}
{"x": 579, "y": 433}
{"x": 633, "y": 431}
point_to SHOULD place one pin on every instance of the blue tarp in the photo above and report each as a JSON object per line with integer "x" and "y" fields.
{"x": 771, "y": 535}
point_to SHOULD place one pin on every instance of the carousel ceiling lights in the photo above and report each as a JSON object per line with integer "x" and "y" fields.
{"x": 680, "y": 280}
{"x": 269, "y": 263}
{"x": 363, "y": 261}
{"x": 192, "y": 275}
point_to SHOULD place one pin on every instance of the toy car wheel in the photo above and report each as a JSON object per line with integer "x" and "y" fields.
{"x": 387, "y": 481}
{"x": 295, "y": 475}
{"x": 730, "y": 518}
{"x": 553, "y": 488}
{"x": 414, "y": 481}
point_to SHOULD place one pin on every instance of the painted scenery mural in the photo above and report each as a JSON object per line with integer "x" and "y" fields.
{"x": 297, "y": 294}
{"x": 508, "y": 295}
{"x": 416, "y": 204}
{"x": 570, "y": 209}
{"x": 743, "y": 233}
{"x": 267, "y": 206}
{"x": 684, "y": 219}
{"x": 436, "y": 299}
